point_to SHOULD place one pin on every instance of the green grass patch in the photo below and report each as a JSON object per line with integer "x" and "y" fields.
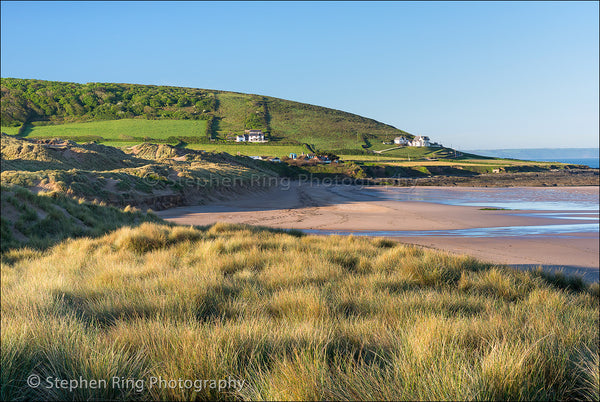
{"x": 127, "y": 144}
{"x": 232, "y": 113}
{"x": 416, "y": 153}
{"x": 10, "y": 130}
{"x": 252, "y": 149}
{"x": 128, "y": 130}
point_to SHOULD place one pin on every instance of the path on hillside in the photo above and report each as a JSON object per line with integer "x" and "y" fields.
{"x": 385, "y": 150}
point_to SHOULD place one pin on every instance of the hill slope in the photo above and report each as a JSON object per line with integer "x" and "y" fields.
{"x": 223, "y": 113}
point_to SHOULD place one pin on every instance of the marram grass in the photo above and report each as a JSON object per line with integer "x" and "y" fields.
{"x": 294, "y": 317}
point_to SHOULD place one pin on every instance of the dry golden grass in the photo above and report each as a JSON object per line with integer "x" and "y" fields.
{"x": 295, "y": 317}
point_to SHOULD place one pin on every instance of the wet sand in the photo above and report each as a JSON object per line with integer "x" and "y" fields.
{"x": 353, "y": 208}
{"x": 570, "y": 254}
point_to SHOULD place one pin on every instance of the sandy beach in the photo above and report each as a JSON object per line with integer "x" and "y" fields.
{"x": 359, "y": 209}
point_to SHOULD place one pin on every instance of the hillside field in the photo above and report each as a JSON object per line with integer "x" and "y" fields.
{"x": 129, "y": 130}
{"x": 10, "y": 130}
{"x": 252, "y": 149}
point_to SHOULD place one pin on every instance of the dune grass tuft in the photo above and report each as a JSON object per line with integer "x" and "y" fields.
{"x": 296, "y": 317}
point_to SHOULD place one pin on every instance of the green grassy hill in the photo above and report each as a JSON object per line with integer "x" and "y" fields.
{"x": 123, "y": 130}
{"x": 130, "y": 113}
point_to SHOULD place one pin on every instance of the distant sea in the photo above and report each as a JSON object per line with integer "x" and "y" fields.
{"x": 577, "y": 156}
{"x": 591, "y": 162}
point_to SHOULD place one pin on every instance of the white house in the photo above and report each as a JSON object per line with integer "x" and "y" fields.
{"x": 251, "y": 136}
{"x": 256, "y": 136}
{"x": 420, "y": 141}
{"x": 401, "y": 141}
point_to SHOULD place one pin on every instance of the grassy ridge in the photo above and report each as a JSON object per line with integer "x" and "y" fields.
{"x": 326, "y": 128}
{"x": 295, "y": 317}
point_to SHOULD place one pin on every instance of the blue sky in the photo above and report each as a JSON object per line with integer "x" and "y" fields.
{"x": 468, "y": 74}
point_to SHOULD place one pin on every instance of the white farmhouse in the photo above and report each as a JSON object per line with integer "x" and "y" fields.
{"x": 401, "y": 141}
{"x": 420, "y": 141}
{"x": 251, "y": 136}
{"x": 256, "y": 136}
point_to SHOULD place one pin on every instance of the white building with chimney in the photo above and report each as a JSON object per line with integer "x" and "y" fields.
{"x": 420, "y": 141}
{"x": 251, "y": 136}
